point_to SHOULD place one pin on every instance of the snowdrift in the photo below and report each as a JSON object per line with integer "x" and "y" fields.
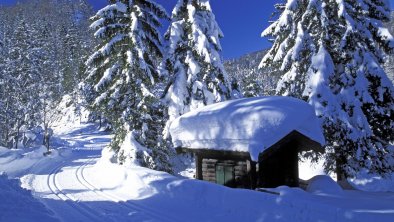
{"x": 18, "y": 204}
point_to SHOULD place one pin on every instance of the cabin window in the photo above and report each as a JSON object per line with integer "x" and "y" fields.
{"x": 224, "y": 174}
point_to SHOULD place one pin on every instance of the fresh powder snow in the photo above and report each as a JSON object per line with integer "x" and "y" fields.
{"x": 18, "y": 204}
{"x": 85, "y": 185}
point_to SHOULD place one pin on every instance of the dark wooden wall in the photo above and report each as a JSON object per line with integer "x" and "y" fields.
{"x": 276, "y": 168}
{"x": 279, "y": 167}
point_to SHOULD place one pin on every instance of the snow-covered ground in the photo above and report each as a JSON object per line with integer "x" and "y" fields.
{"x": 18, "y": 204}
{"x": 75, "y": 184}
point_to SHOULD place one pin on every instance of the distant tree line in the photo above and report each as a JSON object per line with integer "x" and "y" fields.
{"x": 43, "y": 45}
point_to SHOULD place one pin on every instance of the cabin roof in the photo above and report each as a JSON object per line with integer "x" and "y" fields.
{"x": 246, "y": 125}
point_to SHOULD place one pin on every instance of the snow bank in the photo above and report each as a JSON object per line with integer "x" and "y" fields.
{"x": 323, "y": 184}
{"x": 17, "y": 162}
{"x": 108, "y": 155}
{"x": 245, "y": 125}
{"x": 363, "y": 180}
{"x": 372, "y": 182}
{"x": 132, "y": 152}
{"x": 177, "y": 199}
{"x": 116, "y": 192}
{"x": 18, "y": 204}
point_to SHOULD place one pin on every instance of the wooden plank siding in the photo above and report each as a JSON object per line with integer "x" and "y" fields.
{"x": 276, "y": 166}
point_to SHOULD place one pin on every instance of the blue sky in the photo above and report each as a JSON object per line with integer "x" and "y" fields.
{"x": 241, "y": 21}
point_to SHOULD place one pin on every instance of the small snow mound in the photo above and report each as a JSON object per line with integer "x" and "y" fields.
{"x": 108, "y": 155}
{"x": 17, "y": 162}
{"x": 3, "y": 150}
{"x": 323, "y": 184}
{"x": 131, "y": 152}
{"x": 36, "y": 153}
{"x": 373, "y": 182}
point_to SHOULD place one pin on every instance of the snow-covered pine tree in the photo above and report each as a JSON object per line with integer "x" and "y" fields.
{"x": 76, "y": 44}
{"x": 389, "y": 63}
{"x": 24, "y": 56}
{"x": 3, "y": 82}
{"x": 123, "y": 71}
{"x": 34, "y": 62}
{"x": 193, "y": 63}
{"x": 252, "y": 81}
{"x": 50, "y": 87}
{"x": 76, "y": 41}
{"x": 330, "y": 53}
{"x": 7, "y": 80}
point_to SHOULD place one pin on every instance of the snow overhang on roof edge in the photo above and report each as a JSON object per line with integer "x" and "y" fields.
{"x": 246, "y": 125}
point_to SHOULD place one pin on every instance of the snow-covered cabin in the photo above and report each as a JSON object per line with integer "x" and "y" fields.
{"x": 249, "y": 142}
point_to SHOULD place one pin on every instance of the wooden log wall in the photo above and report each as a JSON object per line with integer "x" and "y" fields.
{"x": 240, "y": 170}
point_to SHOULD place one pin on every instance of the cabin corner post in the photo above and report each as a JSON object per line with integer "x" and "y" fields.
{"x": 198, "y": 160}
{"x": 252, "y": 171}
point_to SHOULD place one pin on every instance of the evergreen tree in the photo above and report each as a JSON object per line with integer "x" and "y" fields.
{"x": 389, "y": 63}
{"x": 7, "y": 95}
{"x": 25, "y": 73}
{"x": 252, "y": 81}
{"x": 330, "y": 53}
{"x": 75, "y": 44}
{"x": 2, "y": 81}
{"x": 123, "y": 72}
{"x": 193, "y": 63}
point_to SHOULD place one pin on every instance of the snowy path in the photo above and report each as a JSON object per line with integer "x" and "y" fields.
{"x": 66, "y": 188}
{"x": 79, "y": 186}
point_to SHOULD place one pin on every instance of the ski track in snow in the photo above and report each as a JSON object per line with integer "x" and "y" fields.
{"x": 153, "y": 214}
{"x": 65, "y": 189}
{"x": 57, "y": 190}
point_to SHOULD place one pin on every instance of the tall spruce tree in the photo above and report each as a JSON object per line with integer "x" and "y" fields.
{"x": 123, "y": 72}
{"x": 193, "y": 63}
{"x": 330, "y": 54}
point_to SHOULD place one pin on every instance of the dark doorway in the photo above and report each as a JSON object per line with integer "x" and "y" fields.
{"x": 225, "y": 174}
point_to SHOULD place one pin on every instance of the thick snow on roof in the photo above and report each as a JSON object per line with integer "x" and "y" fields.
{"x": 245, "y": 125}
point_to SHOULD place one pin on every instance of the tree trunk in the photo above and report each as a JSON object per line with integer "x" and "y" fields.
{"x": 46, "y": 137}
{"x": 17, "y": 134}
{"x": 7, "y": 137}
{"x": 47, "y": 142}
{"x": 7, "y": 130}
{"x": 340, "y": 163}
{"x": 340, "y": 173}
